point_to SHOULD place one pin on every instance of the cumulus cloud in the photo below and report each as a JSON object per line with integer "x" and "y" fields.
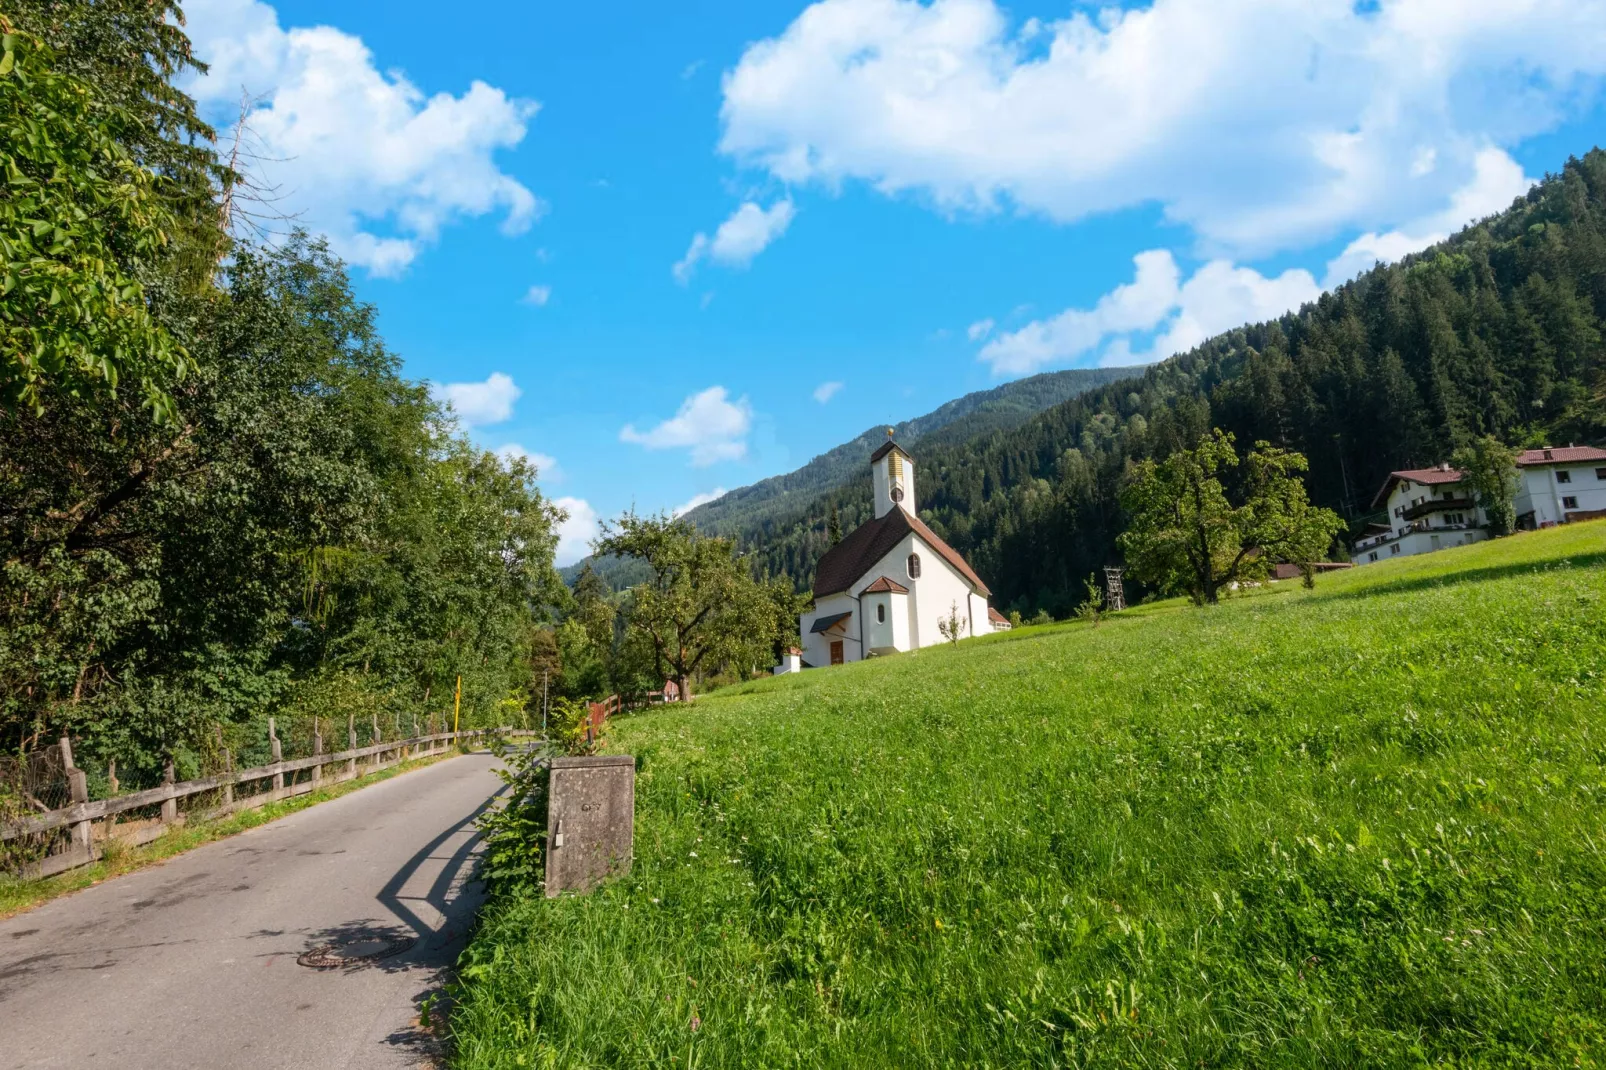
{"x": 709, "y": 424}
{"x": 546, "y": 466}
{"x": 538, "y": 296}
{"x": 980, "y": 329}
{"x": 1155, "y": 303}
{"x": 1261, "y": 124}
{"x": 479, "y": 404}
{"x": 699, "y": 499}
{"x": 1497, "y": 180}
{"x": 826, "y": 391}
{"x": 359, "y": 154}
{"x": 575, "y": 533}
{"x": 748, "y": 232}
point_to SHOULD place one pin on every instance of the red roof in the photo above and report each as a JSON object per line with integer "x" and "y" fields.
{"x": 996, "y": 617}
{"x": 885, "y": 586}
{"x": 1428, "y": 476}
{"x": 1560, "y": 455}
{"x": 846, "y": 563}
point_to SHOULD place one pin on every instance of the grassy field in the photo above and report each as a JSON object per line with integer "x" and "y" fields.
{"x": 1360, "y": 826}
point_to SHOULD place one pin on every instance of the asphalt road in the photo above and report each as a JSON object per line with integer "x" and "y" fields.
{"x": 193, "y": 963}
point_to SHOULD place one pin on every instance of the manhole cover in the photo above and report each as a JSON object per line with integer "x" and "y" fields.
{"x": 351, "y": 953}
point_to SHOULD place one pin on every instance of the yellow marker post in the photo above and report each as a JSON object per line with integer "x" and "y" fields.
{"x": 457, "y": 703}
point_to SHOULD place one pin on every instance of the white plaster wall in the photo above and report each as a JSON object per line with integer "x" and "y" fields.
{"x": 1539, "y": 492}
{"x": 817, "y": 648}
{"x": 980, "y": 625}
{"x": 880, "y": 630}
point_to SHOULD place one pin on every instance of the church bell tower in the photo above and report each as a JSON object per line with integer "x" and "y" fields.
{"x": 893, "y": 476}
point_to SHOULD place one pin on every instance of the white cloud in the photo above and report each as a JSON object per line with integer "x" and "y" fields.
{"x": 709, "y": 424}
{"x": 1217, "y": 297}
{"x": 576, "y": 532}
{"x": 546, "y": 466}
{"x": 826, "y": 391}
{"x": 479, "y": 404}
{"x": 1261, "y": 124}
{"x": 1497, "y": 180}
{"x": 747, "y": 232}
{"x": 980, "y": 329}
{"x": 538, "y": 296}
{"x": 358, "y": 154}
{"x": 699, "y": 499}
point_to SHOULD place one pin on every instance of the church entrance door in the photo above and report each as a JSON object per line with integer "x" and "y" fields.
{"x": 836, "y": 652}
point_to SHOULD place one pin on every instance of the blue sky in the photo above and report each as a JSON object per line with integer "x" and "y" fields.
{"x": 673, "y": 248}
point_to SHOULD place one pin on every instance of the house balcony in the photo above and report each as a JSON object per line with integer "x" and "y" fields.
{"x": 1438, "y": 505}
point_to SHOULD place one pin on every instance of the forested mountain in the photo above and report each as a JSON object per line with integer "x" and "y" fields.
{"x": 751, "y": 509}
{"x": 1496, "y": 330}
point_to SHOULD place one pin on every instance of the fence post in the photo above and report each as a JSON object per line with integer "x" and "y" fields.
{"x": 351, "y": 744}
{"x": 78, "y": 790}
{"x": 379, "y": 756}
{"x": 317, "y": 749}
{"x": 278, "y": 756}
{"x": 228, "y": 779}
{"x": 169, "y": 805}
{"x": 112, "y": 788}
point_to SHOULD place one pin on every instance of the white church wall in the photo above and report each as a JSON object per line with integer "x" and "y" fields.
{"x": 939, "y": 587}
{"x": 817, "y": 647}
{"x": 979, "y": 624}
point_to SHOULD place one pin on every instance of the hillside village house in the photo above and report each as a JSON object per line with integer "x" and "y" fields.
{"x": 1432, "y": 508}
{"x": 885, "y": 587}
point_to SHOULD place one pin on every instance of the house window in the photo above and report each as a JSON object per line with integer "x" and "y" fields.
{"x": 1569, "y": 503}
{"x": 1600, "y": 473}
{"x": 914, "y": 566}
{"x": 1394, "y": 549}
{"x": 1563, "y": 476}
{"x": 881, "y": 613}
{"x": 1372, "y": 556}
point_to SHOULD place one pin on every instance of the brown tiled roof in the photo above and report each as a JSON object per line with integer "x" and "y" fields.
{"x": 845, "y": 564}
{"x": 1426, "y": 476}
{"x": 885, "y": 586}
{"x": 887, "y": 447}
{"x": 1561, "y": 455}
{"x": 996, "y": 617}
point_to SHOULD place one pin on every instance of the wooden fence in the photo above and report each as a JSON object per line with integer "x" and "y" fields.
{"x": 85, "y": 843}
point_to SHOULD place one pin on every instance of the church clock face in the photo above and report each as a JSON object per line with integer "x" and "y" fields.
{"x": 897, "y": 494}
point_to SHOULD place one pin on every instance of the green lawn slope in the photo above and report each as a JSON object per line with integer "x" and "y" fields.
{"x": 1360, "y": 826}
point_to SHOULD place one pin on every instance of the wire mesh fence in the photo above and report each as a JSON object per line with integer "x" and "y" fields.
{"x": 30, "y": 784}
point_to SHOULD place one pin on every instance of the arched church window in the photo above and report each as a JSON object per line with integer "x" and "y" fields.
{"x": 881, "y": 613}
{"x": 914, "y": 566}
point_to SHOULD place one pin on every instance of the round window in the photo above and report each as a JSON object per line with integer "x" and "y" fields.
{"x": 897, "y": 494}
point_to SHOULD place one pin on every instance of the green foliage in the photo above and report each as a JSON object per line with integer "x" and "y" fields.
{"x": 952, "y": 627}
{"x": 1187, "y": 535}
{"x": 513, "y": 859}
{"x": 1091, "y": 608}
{"x": 82, "y": 226}
{"x": 1351, "y": 827}
{"x": 1490, "y": 467}
{"x": 701, "y": 610}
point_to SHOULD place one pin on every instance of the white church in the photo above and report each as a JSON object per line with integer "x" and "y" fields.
{"x": 885, "y": 587}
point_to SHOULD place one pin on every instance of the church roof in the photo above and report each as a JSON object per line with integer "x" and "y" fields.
{"x": 825, "y": 624}
{"x": 845, "y": 564}
{"x": 885, "y": 586}
{"x": 887, "y": 447}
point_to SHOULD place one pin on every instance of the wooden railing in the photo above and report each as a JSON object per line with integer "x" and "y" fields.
{"x": 86, "y": 845}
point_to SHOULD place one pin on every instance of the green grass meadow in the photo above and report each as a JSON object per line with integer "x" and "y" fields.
{"x": 1355, "y": 826}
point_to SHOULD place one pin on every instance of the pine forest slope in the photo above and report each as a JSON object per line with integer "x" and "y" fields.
{"x": 1354, "y": 826}
{"x": 1497, "y": 330}
{"x": 750, "y": 509}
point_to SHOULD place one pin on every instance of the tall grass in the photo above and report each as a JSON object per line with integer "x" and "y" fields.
{"x": 1360, "y": 826}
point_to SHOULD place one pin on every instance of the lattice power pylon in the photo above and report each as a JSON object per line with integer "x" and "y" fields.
{"x": 1114, "y": 597}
